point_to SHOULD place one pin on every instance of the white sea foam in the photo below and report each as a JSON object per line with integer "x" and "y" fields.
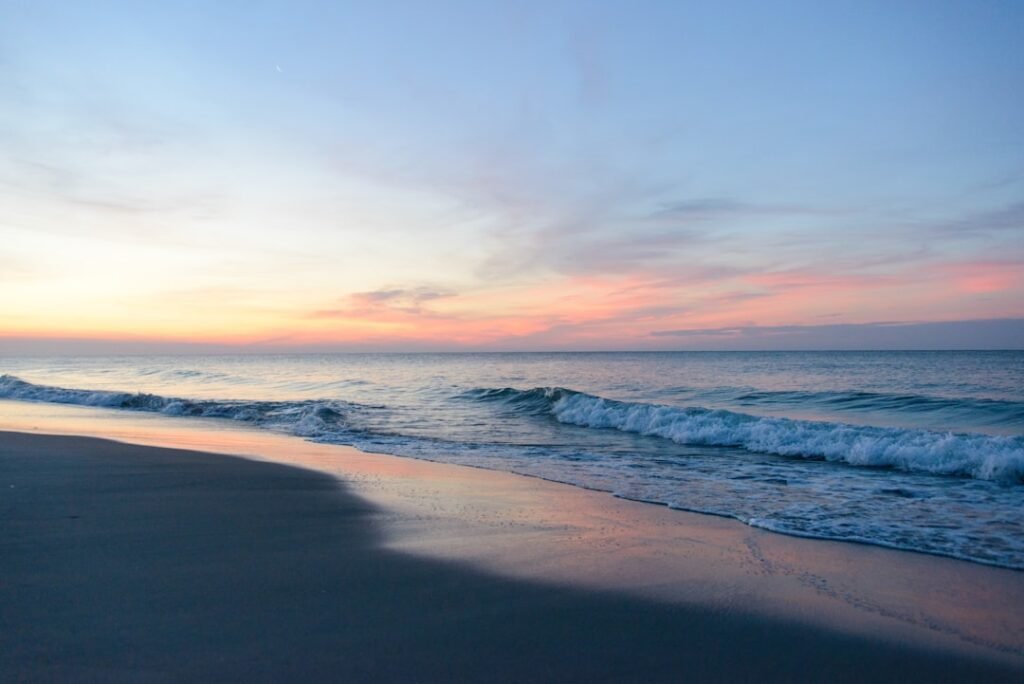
{"x": 307, "y": 418}
{"x": 982, "y": 457}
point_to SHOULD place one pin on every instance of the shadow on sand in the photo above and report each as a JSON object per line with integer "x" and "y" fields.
{"x": 120, "y": 562}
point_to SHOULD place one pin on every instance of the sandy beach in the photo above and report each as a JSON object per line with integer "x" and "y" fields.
{"x": 127, "y": 563}
{"x": 511, "y": 342}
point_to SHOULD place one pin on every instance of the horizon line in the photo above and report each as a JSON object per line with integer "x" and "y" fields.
{"x": 809, "y": 350}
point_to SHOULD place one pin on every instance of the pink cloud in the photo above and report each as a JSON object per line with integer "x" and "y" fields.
{"x": 981, "y": 277}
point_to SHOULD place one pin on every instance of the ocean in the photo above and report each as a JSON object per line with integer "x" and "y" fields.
{"x": 922, "y": 451}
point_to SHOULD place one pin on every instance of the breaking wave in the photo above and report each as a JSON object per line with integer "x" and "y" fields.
{"x": 982, "y": 457}
{"x": 309, "y": 418}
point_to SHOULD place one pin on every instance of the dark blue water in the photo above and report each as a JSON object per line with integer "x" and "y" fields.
{"x": 914, "y": 450}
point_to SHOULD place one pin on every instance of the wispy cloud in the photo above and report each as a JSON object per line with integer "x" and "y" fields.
{"x": 1006, "y": 218}
{"x": 707, "y": 208}
{"x": 999, "y": 333}
{"x": 160, "y": 181}
{"x": 981, "y": 277}
{"x": 410, "y": 301}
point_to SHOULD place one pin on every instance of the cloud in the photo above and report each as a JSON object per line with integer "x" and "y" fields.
{"x": 103, "y": 346}
{"x": 414, "y": 296}
{"x": 799, "y": 279}
{"x": 612, "y": 232}
{"x": 982, "y": 277}
{"x": 372, "y": 303}
{"x": 995, "y": 333}
{"x": 1006, "y": 218}
{"x": 703, "y": 208}
{"x": 629, "y": 252}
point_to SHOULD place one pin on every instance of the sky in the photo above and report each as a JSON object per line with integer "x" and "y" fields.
{"x": 402, "y": 176}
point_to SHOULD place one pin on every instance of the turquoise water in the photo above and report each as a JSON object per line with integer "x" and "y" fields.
{"x": 915, "y": 450}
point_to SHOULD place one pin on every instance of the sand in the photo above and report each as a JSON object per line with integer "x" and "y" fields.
{"x": 123, "y": 562}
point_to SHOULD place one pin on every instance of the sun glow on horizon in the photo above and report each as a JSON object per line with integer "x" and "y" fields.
{"x": 609, "y": 188}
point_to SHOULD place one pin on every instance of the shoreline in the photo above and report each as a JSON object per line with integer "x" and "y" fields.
{"x": 527, "y": 529}
{"x": 124, "y": 561}
{"x": 197, "y": 428}
{"x": 945, "y": 496}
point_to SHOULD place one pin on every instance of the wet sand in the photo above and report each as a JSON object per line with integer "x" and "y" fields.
{"x": 123, "y": 562}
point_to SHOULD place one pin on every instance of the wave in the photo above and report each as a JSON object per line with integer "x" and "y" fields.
{"x": 308, "y": 418}
{"x": 982, "y": 457}
{"x": 982, "y": 412}
{"x": 188, "y": 374}
{"x": 1000, "y": 410}
{"x": 977, "y": 456}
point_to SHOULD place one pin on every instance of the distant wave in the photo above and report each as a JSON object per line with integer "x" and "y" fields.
{"x": 981, "y": 457}
{"x": 998, "y": 411}
{"x": 204, "y": 376}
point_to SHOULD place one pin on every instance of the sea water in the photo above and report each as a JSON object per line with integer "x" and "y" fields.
{"x": 921, "y": 451}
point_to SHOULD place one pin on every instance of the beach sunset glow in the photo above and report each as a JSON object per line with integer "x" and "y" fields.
{"x": 506, "y": 176}
{"x": 512, "y": 341}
